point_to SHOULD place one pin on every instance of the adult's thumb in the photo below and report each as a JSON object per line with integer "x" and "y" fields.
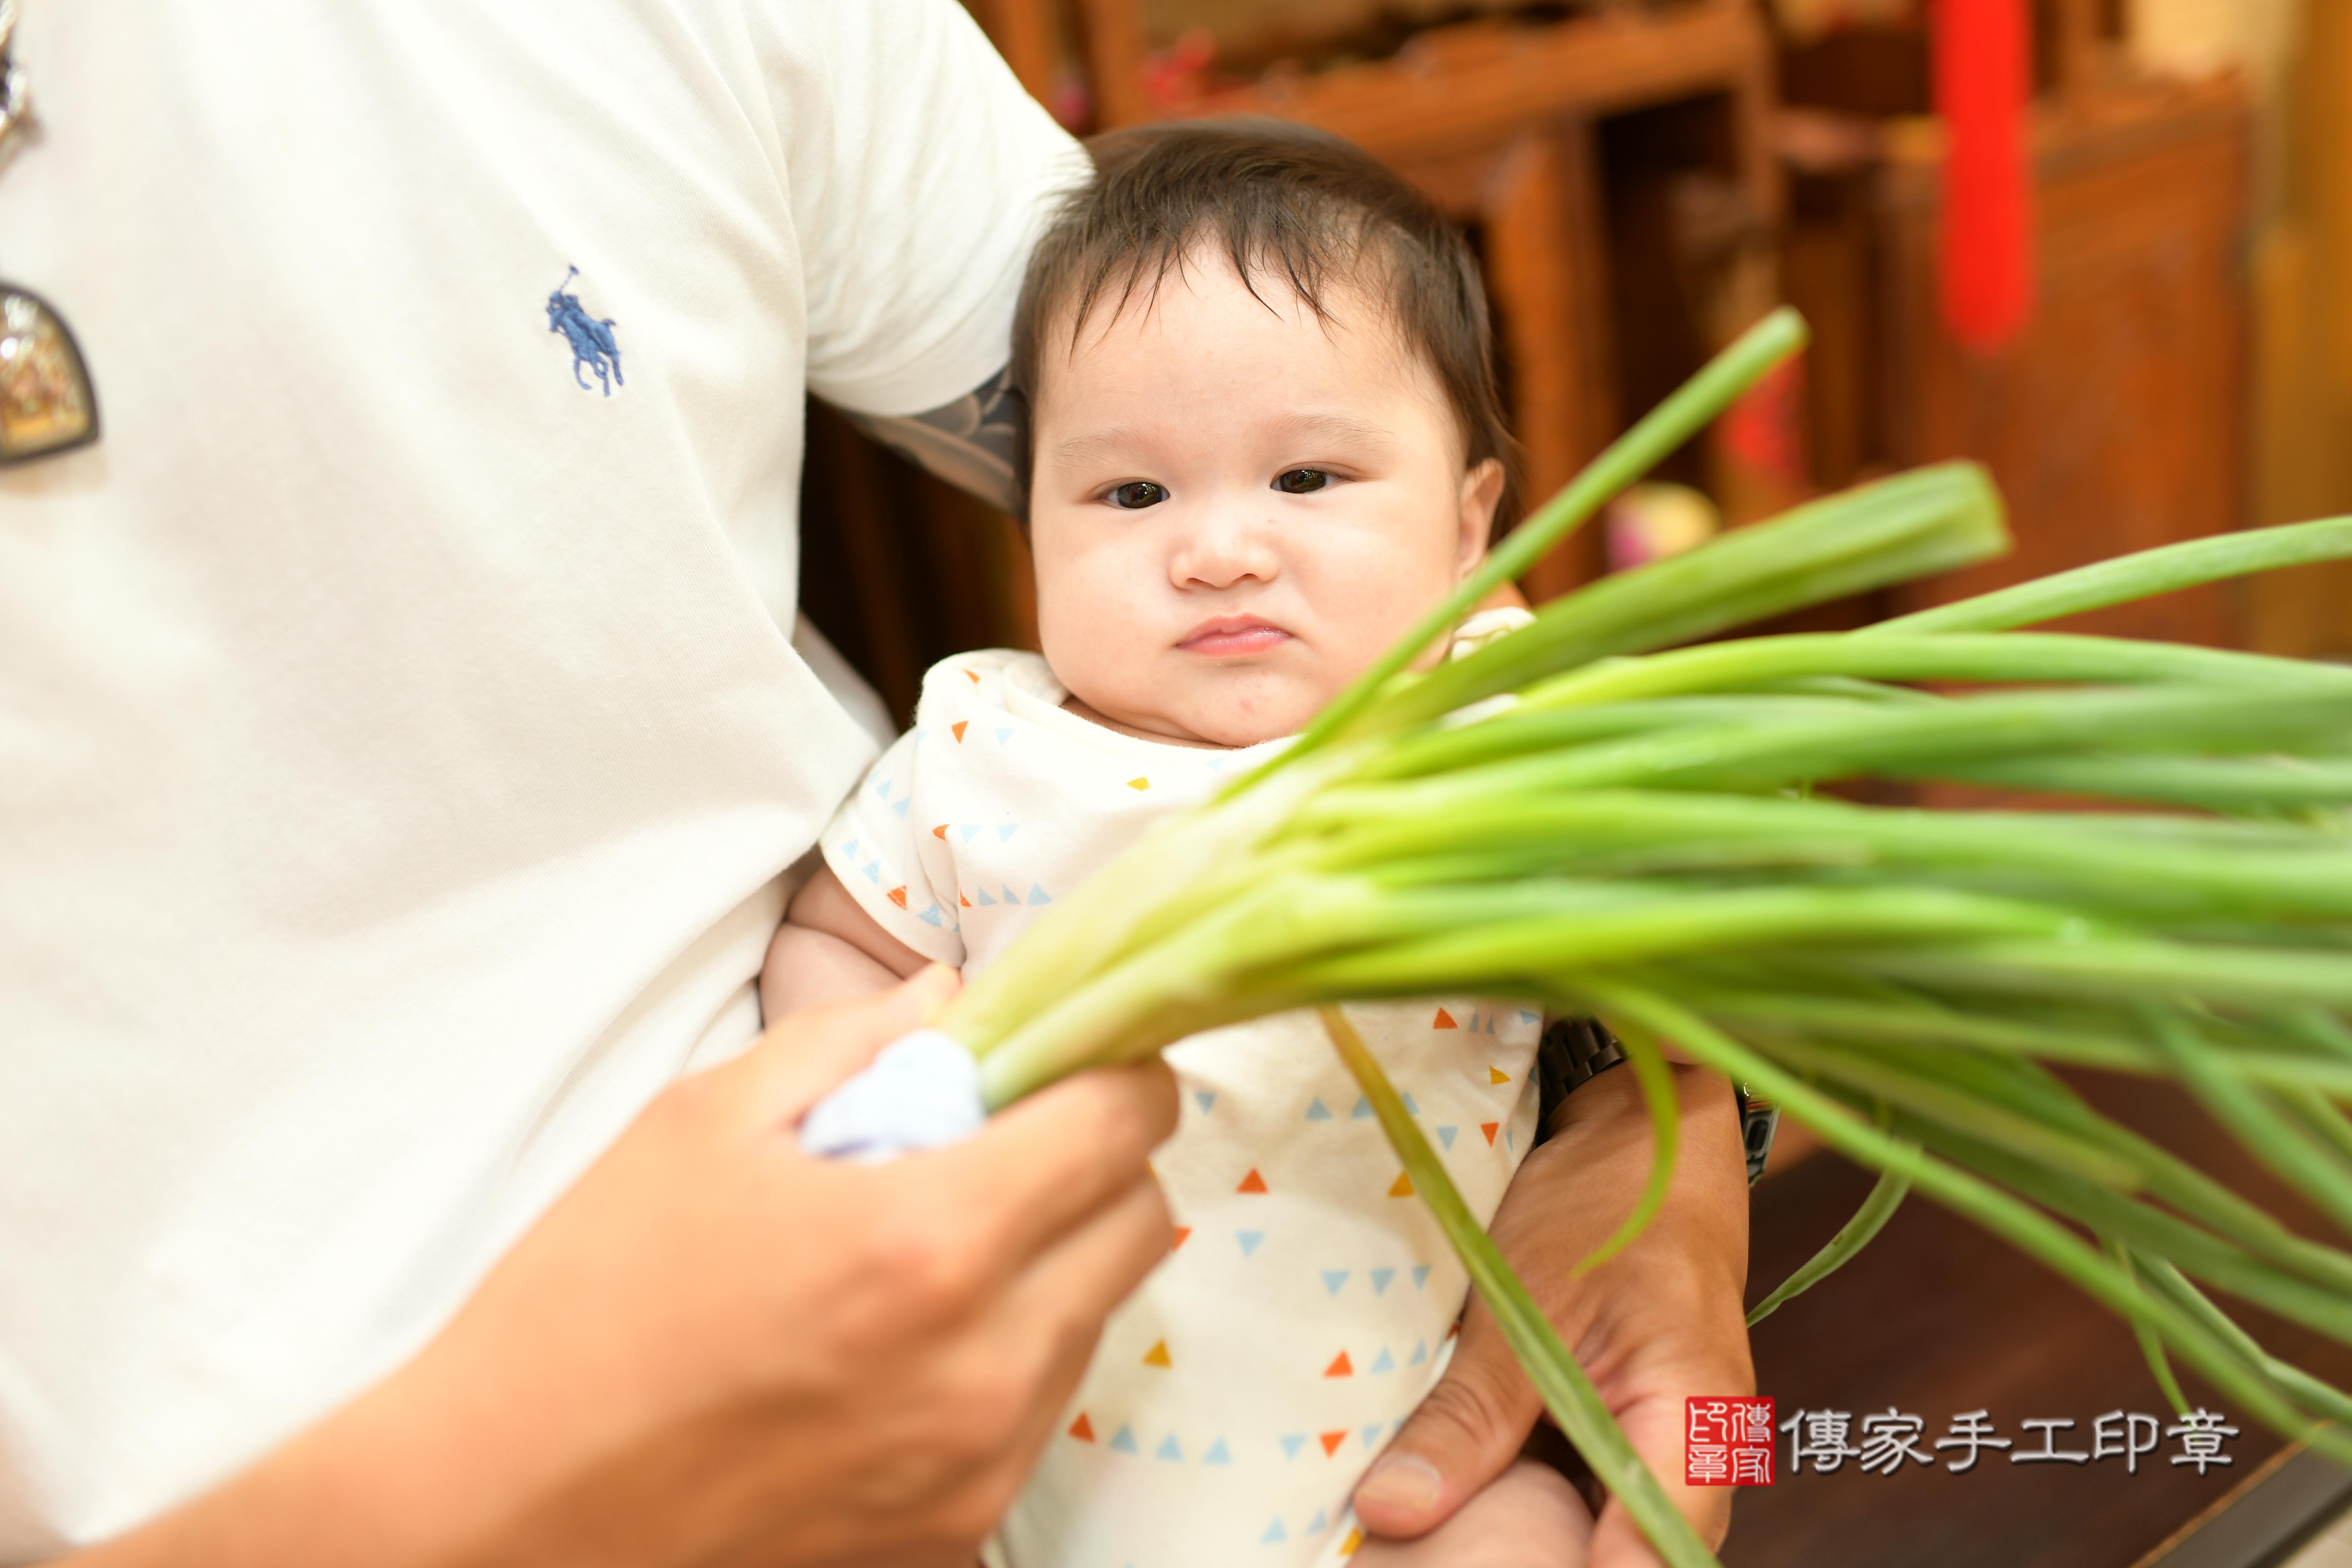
{"x": 1655, "y": 1429}
{"x": 1466, "y": 1433}
{"x": 807, "y": 1055}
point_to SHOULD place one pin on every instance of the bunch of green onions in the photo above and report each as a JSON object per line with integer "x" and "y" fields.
{"x": 1573, "y": 819}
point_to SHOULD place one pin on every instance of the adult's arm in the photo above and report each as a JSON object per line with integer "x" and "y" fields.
{"x": 714, "y": 1348}
{"x": 972, "y": 442}
{"x": 1659, "y": 1322}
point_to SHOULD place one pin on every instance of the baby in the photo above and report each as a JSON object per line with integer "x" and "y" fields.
{"x": 1263, "y": 440}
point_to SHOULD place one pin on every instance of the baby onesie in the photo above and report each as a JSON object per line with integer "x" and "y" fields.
{"x": 1309, "y": 1300}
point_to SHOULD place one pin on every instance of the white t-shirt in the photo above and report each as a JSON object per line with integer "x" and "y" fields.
{"x": 400, "y": 738}
{"x": 1239, "y": 1394}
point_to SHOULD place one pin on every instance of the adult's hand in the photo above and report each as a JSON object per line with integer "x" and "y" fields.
{"x": 1658, "y": 1322}
{"x": 715, "y": 1349}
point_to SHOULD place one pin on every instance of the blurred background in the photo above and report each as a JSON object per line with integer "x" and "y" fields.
{"x": 1642, "y": 180}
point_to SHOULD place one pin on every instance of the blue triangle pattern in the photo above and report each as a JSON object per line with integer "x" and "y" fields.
{"x": 1410, "y": 1108}
{"x": 1206, "y": 1099}
{"x": 1168, "y": 1449}
{"x": 1249, "y": 1241}
{"x": 874, "y": 872}
{"x": 1371, "y": 1434}
{"x": 1333, "y": 1278}
{"x": 1420, "y": 1353}
{"x": 969, "y": 830}
{"x": 849, "y": 850}
{"x": 1380, "y": 1277}
{"x": 1318, "y": 1111}
{"x": 1002, "y": 736}
{"x": 1218, "y": 1454}
{"x": 1526, "y": 1017}
{"x": 1037, "y": 895}
{"x": 883, "y": 789}
{"x": 984, "y": 898}
{"x": 1419, "y": 1274}
{"x": 1511, "y": 1142}
{"x": 1272, "y": 1534}
{"x": 1317, "y": 1523}
{"x": 1445, "y": 1135}
{"x": 1386, "y": 1364}
{"x": 901, "y": 803}
{"x": 1123, "y": 1441}
{"x": 1363, "y": 1108}
{"x": 1011, "y": 897}
{"x": 931, "y": 917}
{"x": 1292, "y": 1443}
{"x": 1007, "y": 831}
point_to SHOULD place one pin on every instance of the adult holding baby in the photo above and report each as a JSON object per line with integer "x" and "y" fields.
{"x": 405, "y": 743}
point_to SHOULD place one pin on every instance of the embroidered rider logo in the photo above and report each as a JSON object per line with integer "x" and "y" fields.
{"x": 592, "y": 340}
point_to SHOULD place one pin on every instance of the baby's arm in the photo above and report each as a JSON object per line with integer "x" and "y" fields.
{"x": 828, "y": 949}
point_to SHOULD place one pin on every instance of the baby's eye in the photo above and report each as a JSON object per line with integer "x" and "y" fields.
{"x": 1299, "y": 481}
{"x": 1138, "y": 493}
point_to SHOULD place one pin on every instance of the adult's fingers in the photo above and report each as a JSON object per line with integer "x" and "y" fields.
{"x": 809, "y": 1054}
{"x": 1098, "y": 1263}
{"x": 1465, "y": 1434}
{"x": 1072, "y": 1287}
{"x": 1041, "y": 1166}
{"x": 1655, "y": 1427}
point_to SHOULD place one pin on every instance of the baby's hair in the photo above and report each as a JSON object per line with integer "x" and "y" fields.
{"x": 1284, "y": 201}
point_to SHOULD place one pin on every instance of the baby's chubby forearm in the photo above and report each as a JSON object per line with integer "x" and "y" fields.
{"x": 829, "y": 950}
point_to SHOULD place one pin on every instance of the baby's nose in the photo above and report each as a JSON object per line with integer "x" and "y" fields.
{"x": 1226, "y": 549}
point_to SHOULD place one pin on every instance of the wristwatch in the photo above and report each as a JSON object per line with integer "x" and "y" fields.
{"x": 1573, "y": 1050}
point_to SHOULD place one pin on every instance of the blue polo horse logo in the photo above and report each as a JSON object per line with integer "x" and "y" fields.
{"x": 592, "y": 340}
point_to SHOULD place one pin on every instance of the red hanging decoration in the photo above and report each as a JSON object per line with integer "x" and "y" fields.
{"x": 1983, "y": 79}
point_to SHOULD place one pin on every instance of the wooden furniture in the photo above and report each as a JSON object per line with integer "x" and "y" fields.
{"x": 2116, "y": 420}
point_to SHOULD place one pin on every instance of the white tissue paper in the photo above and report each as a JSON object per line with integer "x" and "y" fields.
{"x": 920, "y": 1092}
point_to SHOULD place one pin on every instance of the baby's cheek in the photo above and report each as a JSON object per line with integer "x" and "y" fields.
{"x": 1092, "y": 636}
{"x": 1382, "y": 602}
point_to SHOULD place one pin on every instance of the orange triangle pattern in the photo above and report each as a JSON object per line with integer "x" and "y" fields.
{"x": 1331, "y": 1441}
{"x": 1402, "y": 1186}
{"x": 1158, "y": 1355}
{"x": 1082, "y": 1428}
{"x": 1355, "y": 1539}
{"x": 1444, "y": 1020}
{"x": 972, "y": 676}
{"x": 940, "y": 833}
{"x": 964, "y": 901}
{"x": 1340, "y": 1366}
{"x": 1490, "y": 1129}
{"x": 1138, "y": 783}
{"x": 1252, "y": 1183}
{"x": 1182, "y": 1232}
{"x": 956, "y": 729}
{"x": 1497, "y": 1075}
{"x": 898, "y": 896}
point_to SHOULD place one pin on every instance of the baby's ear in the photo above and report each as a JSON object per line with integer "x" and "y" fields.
{"x": 1482, "y": 489}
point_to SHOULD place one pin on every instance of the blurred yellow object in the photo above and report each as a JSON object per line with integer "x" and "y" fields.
{"x": 1651, "y": 522}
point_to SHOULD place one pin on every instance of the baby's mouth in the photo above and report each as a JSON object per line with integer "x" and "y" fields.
{"x": 1233, "y": 637}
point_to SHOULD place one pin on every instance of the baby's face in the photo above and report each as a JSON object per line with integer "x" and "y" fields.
{"x": 1236, "y": 507}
